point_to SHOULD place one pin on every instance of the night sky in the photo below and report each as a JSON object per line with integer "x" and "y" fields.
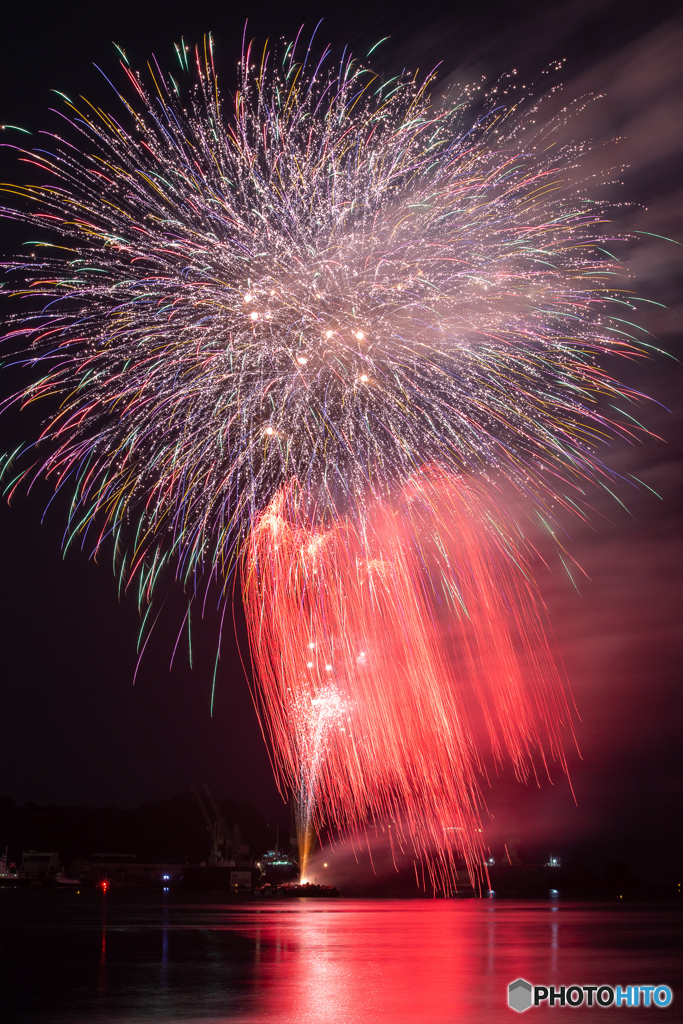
{"x": 74, "y": 729}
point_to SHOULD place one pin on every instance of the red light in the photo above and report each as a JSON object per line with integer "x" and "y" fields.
{"x": 104, "y": 885}
{"x": 356, "y": 729}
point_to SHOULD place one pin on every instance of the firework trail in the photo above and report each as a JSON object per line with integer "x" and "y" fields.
{"x": 347, "y": 647}
{"x": 317, "y": 334}
{"x": 312, "y": 716}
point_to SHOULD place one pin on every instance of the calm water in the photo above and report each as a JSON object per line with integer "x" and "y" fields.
{"x": 169, "y": 957}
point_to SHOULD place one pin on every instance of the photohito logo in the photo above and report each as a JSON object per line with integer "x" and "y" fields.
{"x": 522, "y": 995}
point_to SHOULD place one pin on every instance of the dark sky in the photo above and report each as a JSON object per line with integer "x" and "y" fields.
{"x": 74, "y": 729}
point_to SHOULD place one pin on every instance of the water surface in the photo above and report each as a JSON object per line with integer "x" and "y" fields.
{"x": 132, "y": 958}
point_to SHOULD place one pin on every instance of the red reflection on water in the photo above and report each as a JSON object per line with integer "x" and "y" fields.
{"x": 417, "y": 961}
{"x": 102, "y": 969}
{"x": 430, "y": 962}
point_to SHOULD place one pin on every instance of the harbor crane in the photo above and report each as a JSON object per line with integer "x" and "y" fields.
{"x": 227, "y": 845}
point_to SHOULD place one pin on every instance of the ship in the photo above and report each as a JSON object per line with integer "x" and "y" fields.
{"x": 290, "y": 890}
{"x": 9, "y": 876}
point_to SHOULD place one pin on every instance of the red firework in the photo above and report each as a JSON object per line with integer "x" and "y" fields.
{"x": 384, "y": 656}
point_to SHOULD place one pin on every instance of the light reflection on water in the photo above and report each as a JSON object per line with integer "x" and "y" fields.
{"x": 172, "y": 958}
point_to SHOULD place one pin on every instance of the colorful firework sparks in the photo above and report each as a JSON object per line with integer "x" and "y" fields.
{"x": 276, "y": 319}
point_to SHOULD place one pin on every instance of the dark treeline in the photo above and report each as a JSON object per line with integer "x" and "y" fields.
{"x": 169, "y": 830}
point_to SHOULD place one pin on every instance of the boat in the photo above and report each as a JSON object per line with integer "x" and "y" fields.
{"x": 9, "y": 876}
{"x": 290, "y": 890}
{"x": 61, "y": 879}
{"x": 278, "y": 867}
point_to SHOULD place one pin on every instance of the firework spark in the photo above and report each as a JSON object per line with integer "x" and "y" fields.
{"x": 313, "y": 715}
{"x": 358, "y": 691}
{"x": 322, "y": 328}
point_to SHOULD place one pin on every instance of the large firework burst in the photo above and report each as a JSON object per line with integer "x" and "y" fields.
{"x": 328, "y": 287}
{"x": 334, "y": 282}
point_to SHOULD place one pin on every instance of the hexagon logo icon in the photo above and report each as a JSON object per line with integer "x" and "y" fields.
{"x": 519, "y": 995}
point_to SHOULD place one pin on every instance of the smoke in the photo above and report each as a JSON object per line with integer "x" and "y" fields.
{"x": 617, "y": 620}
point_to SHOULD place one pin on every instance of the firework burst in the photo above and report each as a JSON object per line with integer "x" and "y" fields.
{"x": 370, "y": 713}
{"x": 290, "y": 314}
